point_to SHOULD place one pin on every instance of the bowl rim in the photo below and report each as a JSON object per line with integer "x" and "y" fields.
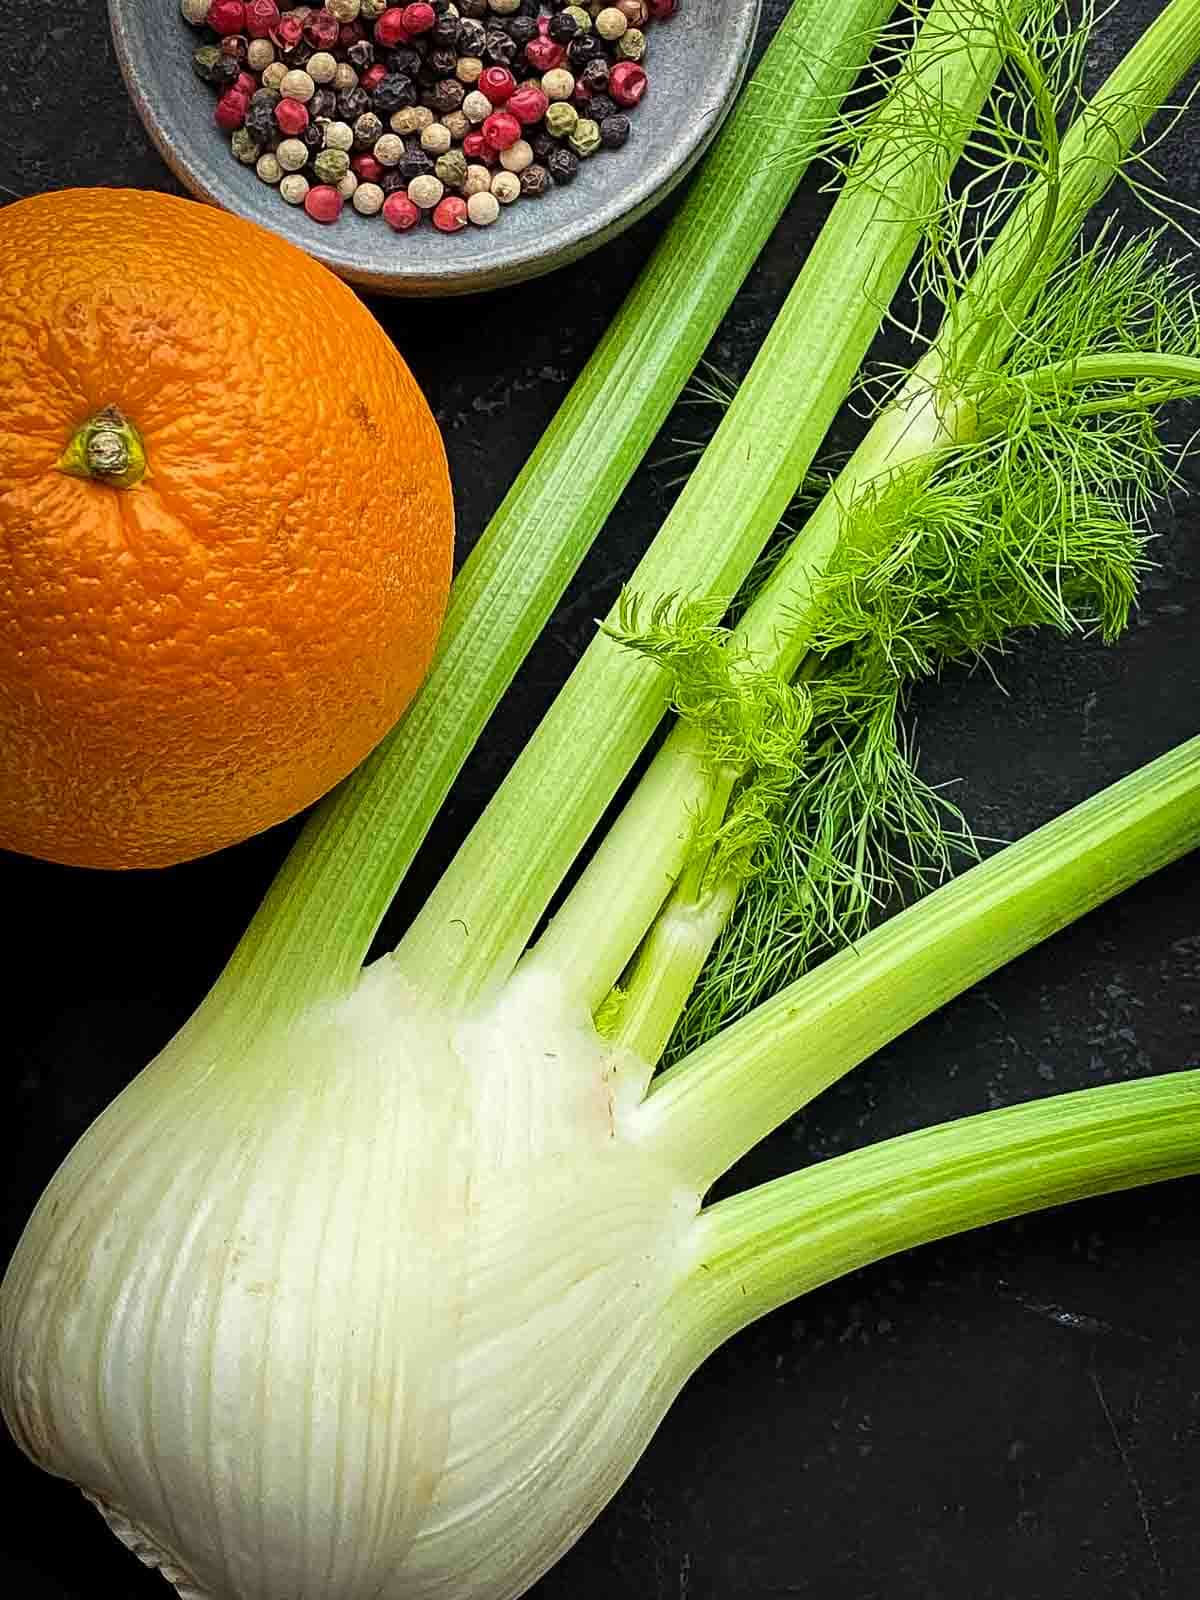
{"x": 559, "y": 244}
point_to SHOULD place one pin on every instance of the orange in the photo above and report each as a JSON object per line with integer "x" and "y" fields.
{"x": 225, "y": 529}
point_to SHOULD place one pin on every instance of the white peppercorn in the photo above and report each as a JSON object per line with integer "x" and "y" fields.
{"x": 339, "y": 136}
{"x": 506, "y": 186}
{"x": 468, "y": 69}
{"x": 259, "y": 54}
{"x": 389, "y": 150}
{"x": 291, "y": 155}
{"x": 477, "y": 181}
{"x": 436, "y": 139}
{"x": 611, "y": 23}
{"x": 297, "y": 85}
{"x": 517, "y": 157}
{"x": 345, "y": 78}
{"x": 426, "y": 191}
{"x": 268, "y": 168}
{"x": 344, "y": 10}
{"x": 458, "y": 125}
{"x": 368, "y": 199}
{"x": 348, "y": 186}
{"x": 404, "y": 121}
{"x": 476, "y": 107}
{"x": 294, "y": 188}
{"x": 483, "y": 209}
{"x": 274, "y": 75}
{"x": 558, "y": 84}
{"x": 424, "y": 117}
{"x": 321, "y": 67}
{"x": 195, "y": 11}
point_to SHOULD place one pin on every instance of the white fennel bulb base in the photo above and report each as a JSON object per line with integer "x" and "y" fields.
{"x": 385, "y": 1305}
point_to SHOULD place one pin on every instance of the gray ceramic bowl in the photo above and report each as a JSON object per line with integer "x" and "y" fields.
{"x": 697, "y": 62}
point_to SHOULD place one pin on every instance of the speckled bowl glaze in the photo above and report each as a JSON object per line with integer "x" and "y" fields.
{"x": 696, "y": 64}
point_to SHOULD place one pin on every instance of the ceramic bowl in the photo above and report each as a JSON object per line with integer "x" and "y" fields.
{"x": 696, "y": 62}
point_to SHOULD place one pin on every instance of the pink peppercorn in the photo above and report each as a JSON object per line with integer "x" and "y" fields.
{"x": 245, "y": 83}
{"x": 660, "y": 10}
{"x": 288, "y": 34}
{"x": 419, "y": 18}
{"x": 351, "y": 33}
{"x": 261, "y": 17}
{"x": 227, "y": 16}
{"x": 501, "y": 130}
{"x": 400, "y": 213}
{"x": 323, "y": 203}
{"x": 231, "y": 110}
{"x": 528, "y": 104}
{"x": 476, "y": 148}
{"x": 366, "y": 169}
{"x": 627, "y": 83}
{"x": 543, "y": 55}
{"x": 373, "y": 77}
{"x": 321, "y": 30}
{"x": 496, "y": 83}
{"x": 389, "y": 28}
{"x": 450, "y": 214}
{"x": 292, "y": 117}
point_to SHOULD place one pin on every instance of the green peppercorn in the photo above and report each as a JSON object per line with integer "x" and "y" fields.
{"x": 585, "y": 138}
{"x": 631, "y": 46}
{"x": 331, "y": 166}
{"x": 561, "y": 118}
{"x": 245, "y": 146}
{"x": 582, "y": 18}
{"x": 451, "y": 169}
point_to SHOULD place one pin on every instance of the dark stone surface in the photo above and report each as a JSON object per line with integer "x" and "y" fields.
{"x": 1014, "y": 1415}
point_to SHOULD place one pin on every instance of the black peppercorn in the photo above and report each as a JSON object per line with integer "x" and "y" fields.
{"x": 543, "y": 146}
{"x": 614, "y": 130}
{"x": 522, "y": 31}
{"x": 392, "y": 182}
{"x": 323, "y": 104}
{"x": 265, "y": 97}
{"x": 415, "y": 163}
{"x": 473, "y": 9}
{"x": 443, "y": 62}
{"x": 351, "y": 104}
{"x": 562, "y": 28}
{"x": 260, "y": 122}
{"x": 405, "y": 60}
{"x": 444, "y": 33}
{"x": 300, "y": 56}
{"x": 447, "y": 95}
{"x": 472, "y": 36}
{"x": 441, "y": 7}
{"x": 313, "y": 136}
{"x": 584, "y": 47}
{"x": 500, "y": 49}
{"x": 208, "y": 63}
{"x": 594, "y": 76}
{"x": 235, "y": 45}
{"x": 600, "y": 106}
{"x": 563, "y": 166}
{"x": 361, "y": 55}
{"x": 367, "y": 130}
{"x": 393, "y": 93}
{"x": 535, "y": 181}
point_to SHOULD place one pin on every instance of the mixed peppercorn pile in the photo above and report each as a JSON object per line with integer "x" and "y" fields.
{"x": 436, "y": 108}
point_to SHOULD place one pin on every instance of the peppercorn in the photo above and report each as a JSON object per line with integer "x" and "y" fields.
{"x": 442, "y": 63}
{"x": 543, "y": 146}
{"x": 312, "y": 137}
{"x": 331, "y": 166}
{"x": 504, "y": 8}
{"x": 450, "y": 214}
{"x": 268, "y": 168}
{"x": 501, "y": 130}
{"x": 562, "y": 28}
{"x": 473, "y": 9}
{"x": 373, "y": 77}
{"x": 246, "y": 148}
{"x": 561, "y": 117}
{"x": 425, "y": 191}
{"x": 563, "y": 166}
{"x": 361, "y": 55}
{"x": 415, "y": 163}
{"x": 400, "y": 213}
{"x": 500, "y": 49}
{"x": 436, "y": 139}
{"x": 392, "y": 182}
{"x": 368, "y": 199}
{"x": 451, "y": 169}
{"x": 584, "y": 47}
{"x": 631, "y": 46}
{"x": 323, "y": 203}
{"x": 260, "y": 121}
{"x": 497, "y": 83}
{"x": 388, "y": 149}
{"x": 558, "y": 85}
{"x": 209, "y": 64}
{"x": 259, "y": 54}
{"x": 422, "y": 117}
{"x": 347, "y": 186}
{"x": 292, "y": 117}
{"x": 366, "y": 169}
{"x": 522, "y": 30}
{"x": 227, "y": 17}
{"x": 371, "y": 10}
{"x": 599, "y": 107}
{"x": 418, "y": 18}
{"x": 392, "y": 93}
{"x": 469, "y": 70}
{"x": 367, "y": 129}
{"x": 506, "y": 186}
{"x": 231, "y": 110}
{"x": 294, "y": 188}
{"x": 528, "y": 105}
{"x": 274, "y": 75}
{"x": 595, "y": 77}
{"x": 446, "y": 95}
{"x": 636, "y": 12}
{"x": 352, "y": 103}
{"x": 517, "y": 157}
{"x": 298, "y": 85}
{"x": 611, "y": 23}
{"x": 583, "y": 19}
{"x": 627, "y": 83}
{"x": 322, "y": 67}
{"x": 389, "y": 28}
{"x": 323, "y": 106}
{"x": 458, "y": 125}
{"x": 321, "y": 30}
{"x": 344, "y": 10}
{"x": 586, "y": 138}
{"x": 472, "y": 37}
{"x": 543, "y": 55}
{"x": 478, "y": 180}
{"x": 614, "y": 131}
{"x": 534, "y": 181}
{"x": 195, "y": 11}
{"x": 475, "y": 148}
{"x": 445, "y": 32}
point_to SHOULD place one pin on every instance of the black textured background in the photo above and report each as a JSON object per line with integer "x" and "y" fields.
{"x": 1012, "y": 1416}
